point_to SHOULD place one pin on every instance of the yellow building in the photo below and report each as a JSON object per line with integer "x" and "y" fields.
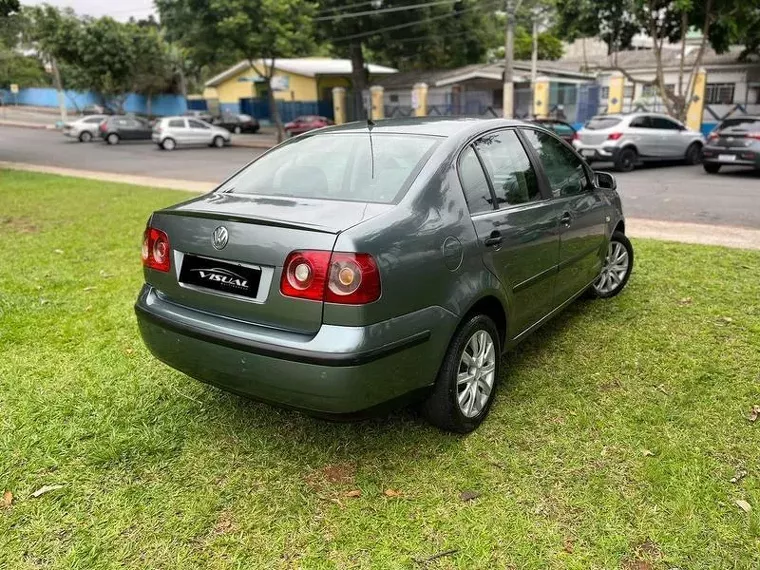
{"x": 307, "y": 80}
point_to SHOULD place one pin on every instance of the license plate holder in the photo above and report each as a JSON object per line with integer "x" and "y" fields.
{"x": 220, "y": 276}
{"x": 727, "y": 157}
{"x": 588, "y": 153}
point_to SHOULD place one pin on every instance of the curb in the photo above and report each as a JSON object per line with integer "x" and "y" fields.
{"x": 252, "y": 144}
{"x": 23, "y": 125}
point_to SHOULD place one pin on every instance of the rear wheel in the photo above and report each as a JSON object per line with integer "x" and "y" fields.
{"x": 218, "y": 142}
{"x": 168, "y": 144}
{"x": 626, "y": 160}
{"x": 112, "y": 139}
{"x": 85, "y": 137}
{"x": 711, "y": 168}
{"x": 694, "y": 153}
{"x": 616, "y": 270}
{"x": 466, "y": 383}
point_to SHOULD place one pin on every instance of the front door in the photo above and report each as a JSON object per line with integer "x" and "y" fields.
{"x": 516, "y": 225}
{"x": 581, "y": 211}
{"x": 200, "y": 133}
{"x": 670, "y": 134}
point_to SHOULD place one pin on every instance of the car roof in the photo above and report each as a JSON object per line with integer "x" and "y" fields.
{"x": 431, "y": 126}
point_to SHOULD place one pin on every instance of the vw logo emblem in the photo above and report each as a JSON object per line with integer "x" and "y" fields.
{"x": 220, "y": 237}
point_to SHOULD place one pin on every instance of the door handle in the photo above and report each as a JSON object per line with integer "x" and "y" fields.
{"x": 566, "y": 219}
{"x": 494, "y": 240}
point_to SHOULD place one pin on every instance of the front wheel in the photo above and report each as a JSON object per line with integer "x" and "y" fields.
{"x": 616, "y": 269}
{"x": 218, "y": 142}
{"x": 626, "y": 160}
{"x": 466, "y": 383}
{"x": 85, "y": 137}
{"x": 694, "y": 154}
{"x": 112, "y": 139}
{"x": 711, "y": 168}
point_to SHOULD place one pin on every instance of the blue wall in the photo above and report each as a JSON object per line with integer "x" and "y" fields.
{"x": 48, "y": 97}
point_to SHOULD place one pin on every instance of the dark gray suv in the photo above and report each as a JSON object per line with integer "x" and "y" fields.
{"x": 369, "y": 264}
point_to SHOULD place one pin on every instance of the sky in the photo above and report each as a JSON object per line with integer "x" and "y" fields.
{"x": 118, "y": 9}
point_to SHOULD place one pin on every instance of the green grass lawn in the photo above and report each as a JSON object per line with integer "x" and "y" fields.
{"x": 612, "y": 443}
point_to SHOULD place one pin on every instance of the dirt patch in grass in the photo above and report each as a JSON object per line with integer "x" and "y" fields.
{"x": 332, "y": 475}
{"x": 19, "y": 225}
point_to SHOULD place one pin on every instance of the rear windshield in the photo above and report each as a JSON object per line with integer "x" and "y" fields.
{"x": 749, "y": 122}
{"x": 349, "y": 166}
{"x": 598, "y": 123}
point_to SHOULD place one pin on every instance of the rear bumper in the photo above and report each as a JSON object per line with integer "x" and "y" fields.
{"x": 598, "y": 153}
{"x": 718, "y": 155}
{"x": 339, "y": 370}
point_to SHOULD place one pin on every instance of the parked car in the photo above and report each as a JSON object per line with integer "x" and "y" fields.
{"x": 98, "y": 110}
{"x": 84, "y": 128}
{"x": 170, "y": 132}
{"x": 356, "y": 267}
{"x": 237, "y": 123}
{"x": 202, "y": 115}
{"x": 563, "y": 130}
{"x": 736, "y": 142}
{"x": 306, "y": 123}
{"x": 124, "y": 127}
{"x": 628, "y": 140}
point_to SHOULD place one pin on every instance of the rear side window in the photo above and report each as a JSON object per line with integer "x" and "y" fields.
{"x": 473, "y": 179}
{"x": 644, "y": 122}
{"x": 599, "y": 123}
{"x": 350, "y": 166}
{"x": 512, "y": 176}
{"x": 94, "y": 120}
{"x": 563, "y": 168}
{"x": 177, "y": 124}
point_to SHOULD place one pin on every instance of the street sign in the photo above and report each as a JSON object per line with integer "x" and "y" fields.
{"x": 14, "y": 88}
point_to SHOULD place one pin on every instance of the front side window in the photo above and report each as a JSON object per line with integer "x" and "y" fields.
{"x": 348, "y": 166}
{"x": 566, "y": 173}
{"x": 473, "y": 179}
{"x": 507, "y": 165}
{"x": 665, "y": 124}
{"x": 197, "y": 124}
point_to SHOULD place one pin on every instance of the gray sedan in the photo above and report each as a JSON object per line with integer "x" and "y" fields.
{"x": 370, "y": 264}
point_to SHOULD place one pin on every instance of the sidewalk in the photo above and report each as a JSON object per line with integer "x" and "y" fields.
{"x": 704, "y": 234}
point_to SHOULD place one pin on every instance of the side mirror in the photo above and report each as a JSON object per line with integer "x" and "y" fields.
{"x": 606, "y": 180}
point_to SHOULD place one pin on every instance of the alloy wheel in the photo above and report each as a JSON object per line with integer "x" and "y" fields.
{"x": 615, "y": 268}
{"x": 476, "y": 374}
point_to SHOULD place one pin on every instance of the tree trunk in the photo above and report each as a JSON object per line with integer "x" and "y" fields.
{"x": 684, "y": 29}
{"x": 358, "y": 79}
{"x": 274, "y": 112}
{"x": 698, "y": 61}
{"x": 148, "y": 98}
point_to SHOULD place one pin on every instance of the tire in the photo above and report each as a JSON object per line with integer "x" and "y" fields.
{"x": 218, "y": 142}
{"x": 85, "y": 136}
{"x": 442, "y": 408}
{"x": 693, "y": 154}
{"x": 238, "y": 130}
{"x": 711, "y": 167}
{"x": 626, "y": 159}
{"x": 612, "y": 281}
{"x": 168, "y": 144}
{"x": 113, "y": 139}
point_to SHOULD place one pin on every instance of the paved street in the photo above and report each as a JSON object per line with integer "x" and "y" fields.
{"x": 51, "y": 148}
{"x": 676, "y": 193}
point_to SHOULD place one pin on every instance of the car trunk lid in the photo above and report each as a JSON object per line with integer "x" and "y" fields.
{"x": 261, "y": 232}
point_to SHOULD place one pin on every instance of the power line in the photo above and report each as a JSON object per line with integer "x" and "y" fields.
{"x": 339, "y": 8}
{"x": 382, "y": 10}
{"x": 406, "y": 25}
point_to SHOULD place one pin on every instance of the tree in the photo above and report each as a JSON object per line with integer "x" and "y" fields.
{"x": 8, "y": 7}
{"x": 259, "y": 31}
{"x": 614, "y": 21}
{"x": 153, "y": 70}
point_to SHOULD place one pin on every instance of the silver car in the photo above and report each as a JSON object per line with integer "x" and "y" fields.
{"x": 85, "y": 128}
{"x": 170, "y": 132}
{"x": 628, "y": 140}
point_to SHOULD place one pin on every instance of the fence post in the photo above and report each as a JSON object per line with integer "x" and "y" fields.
{"x": 419, "y": 99}
{"x": 339, "y": 105}
{"x": 541, "y": 97}
{"x": 377, "y": 103}
{"x": 697, "y": 103}
{"x": 615, "y": 97}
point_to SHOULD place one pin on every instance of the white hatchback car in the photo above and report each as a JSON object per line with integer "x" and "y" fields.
{"x": 85, "y": 128}
{"x": 170, "y": 132}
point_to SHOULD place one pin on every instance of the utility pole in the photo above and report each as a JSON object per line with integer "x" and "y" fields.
{"x": 534, "y": 53}
{"x": 509, "y": 50}
{"x": 59, "y": 88}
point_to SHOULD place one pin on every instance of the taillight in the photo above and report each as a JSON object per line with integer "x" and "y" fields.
{"x": 713, "y": 136}
{"x": 754, "y": 135}
{"x": 344, "y": 278}
{"x": 614, "y": 136}
{"x": 576, "y": 136}
{"x": 156, "y": 251}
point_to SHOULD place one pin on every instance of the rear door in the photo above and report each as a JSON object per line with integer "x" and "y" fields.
{"x": 642, "y": 132}
{"x": 515, "y": 223}
{"x": 580, "y": 209}
{"x": 200, "y": 132}
{"x": 178, "y": 131}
